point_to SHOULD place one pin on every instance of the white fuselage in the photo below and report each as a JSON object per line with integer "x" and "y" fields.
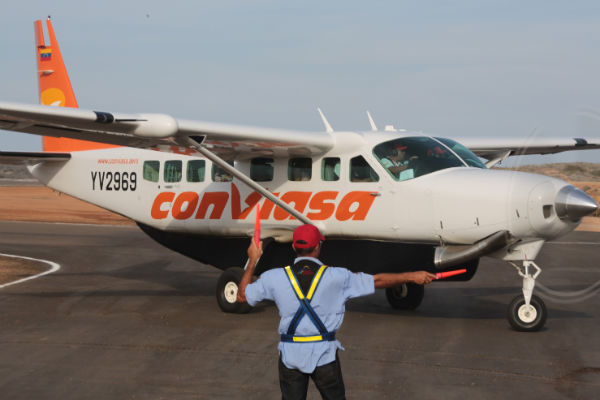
{"x": 456, "y": 205}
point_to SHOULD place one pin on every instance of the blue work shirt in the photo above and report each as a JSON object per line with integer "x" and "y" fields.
{"x": 337, "y": 286}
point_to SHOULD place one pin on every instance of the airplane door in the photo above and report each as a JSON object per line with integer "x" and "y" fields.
{"x": 414, "y": 216}
{"x": 367, "y": 206}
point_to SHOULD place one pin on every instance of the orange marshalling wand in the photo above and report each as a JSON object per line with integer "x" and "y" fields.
{"x": 442, "y": 275}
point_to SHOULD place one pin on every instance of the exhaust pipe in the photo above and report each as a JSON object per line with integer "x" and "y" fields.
{"x": 446, "y": 256}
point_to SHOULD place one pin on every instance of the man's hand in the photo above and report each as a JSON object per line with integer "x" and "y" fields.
{"x": 423, "y": 277}
{"x": 254, "y": 252}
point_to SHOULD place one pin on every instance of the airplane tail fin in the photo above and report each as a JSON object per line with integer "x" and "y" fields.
{"x": 55, "y": 88}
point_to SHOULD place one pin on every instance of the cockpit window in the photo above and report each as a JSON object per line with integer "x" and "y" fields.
{"x": 467, "y": 155}
{"x": 411, "y": 157}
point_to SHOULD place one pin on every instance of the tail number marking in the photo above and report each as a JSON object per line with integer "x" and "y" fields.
{"x": 117, "y": 181}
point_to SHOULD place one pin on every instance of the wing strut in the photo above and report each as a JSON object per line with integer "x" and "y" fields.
{"x": 497, "y": 157}
{"x": 223, "y": 164}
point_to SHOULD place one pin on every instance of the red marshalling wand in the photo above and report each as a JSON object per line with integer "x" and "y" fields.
{"x": 442, "y": 275}
{"x": 257, "y": 226}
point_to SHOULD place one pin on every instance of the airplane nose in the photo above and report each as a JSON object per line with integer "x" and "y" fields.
{"x": 572, "y": 203}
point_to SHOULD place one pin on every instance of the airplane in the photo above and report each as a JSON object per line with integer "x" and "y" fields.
{"x": 387, "y": 200}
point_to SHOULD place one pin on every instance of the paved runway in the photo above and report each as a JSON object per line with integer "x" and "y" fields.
{"x": 125, "y": 318}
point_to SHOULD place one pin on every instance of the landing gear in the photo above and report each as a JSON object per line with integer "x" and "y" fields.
{"x": 527, "y": 318}
{"x": 527, "y": 313}
{"x": 227, "y": 290}
{"x": 407, "y": 296}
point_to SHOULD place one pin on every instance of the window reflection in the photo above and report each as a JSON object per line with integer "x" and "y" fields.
{"x": 361, "y": 171}
{"x": 195, "y": 171}
{"x": 173, "y": 171}
{"x": 467, "y": 155}
{"x": 220, "y": 175}
{"x": 330, "y": 169}
{"x": 151, "y": 170}
{"x": 300, "y": 169}
{"x": 261, "y": 169}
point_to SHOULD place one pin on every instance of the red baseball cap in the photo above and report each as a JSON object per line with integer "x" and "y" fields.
{"x": 307, "y": 236}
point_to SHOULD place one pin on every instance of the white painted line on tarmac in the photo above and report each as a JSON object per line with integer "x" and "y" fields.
{"x": 53, "y": 267}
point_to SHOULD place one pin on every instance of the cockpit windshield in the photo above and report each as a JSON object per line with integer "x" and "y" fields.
{"x": 467, "y": 155}
{"x": 411, "y": 157}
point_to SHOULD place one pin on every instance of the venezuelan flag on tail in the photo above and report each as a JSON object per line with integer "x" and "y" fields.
{"x": 55, "y": 88}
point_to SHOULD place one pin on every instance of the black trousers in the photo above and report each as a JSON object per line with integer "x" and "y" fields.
{"x": 327, "y": 379}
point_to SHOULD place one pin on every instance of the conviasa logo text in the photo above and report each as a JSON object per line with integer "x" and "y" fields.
{"x": 316, "y": 206}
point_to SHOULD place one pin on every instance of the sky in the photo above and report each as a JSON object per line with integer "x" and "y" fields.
{"x": 447, "y": 68}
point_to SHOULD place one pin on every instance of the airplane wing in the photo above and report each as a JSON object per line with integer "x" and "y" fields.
{"x": 18, "y": 158}
{"x": 151, "y": 130}
{"x": 491, "y": 148}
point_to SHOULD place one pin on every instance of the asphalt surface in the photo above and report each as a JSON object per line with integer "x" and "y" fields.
{"x": 125, "y": 318}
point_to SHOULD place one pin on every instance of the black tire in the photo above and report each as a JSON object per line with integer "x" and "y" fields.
{"x": 523, "y": 321}
{"x": 227, "y": 287}
{"x": 407, "y": 296}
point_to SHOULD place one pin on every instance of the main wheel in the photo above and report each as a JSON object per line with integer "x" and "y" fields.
{"x": 407, "y": 296}
{"x": 227, "y": 290}
{"x": 527, "y": 319}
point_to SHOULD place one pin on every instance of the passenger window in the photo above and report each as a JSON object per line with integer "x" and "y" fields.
{"x": 173, "y": 170}
{"x": 195, "y": 170}
{"x": 151, "y": 170}
{"x": 261, "y": 169}
{"x": 300, "y": 169}
{"x": 361, "y": 171}
{"x": 220, "y": 175}
{"x": 330, "y": 169}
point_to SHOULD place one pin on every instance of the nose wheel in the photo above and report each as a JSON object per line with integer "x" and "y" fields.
{"x": 527, "y": 313}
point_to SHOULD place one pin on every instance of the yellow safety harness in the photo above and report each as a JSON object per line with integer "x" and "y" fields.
{"x": 306, "y": 309}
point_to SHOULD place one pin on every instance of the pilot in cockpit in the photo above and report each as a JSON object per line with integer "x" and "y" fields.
{"x": 398, "y": 163}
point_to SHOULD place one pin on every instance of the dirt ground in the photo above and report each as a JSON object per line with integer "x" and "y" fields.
{"x": 41, "y": 204}
{"x": 12, "y": 269}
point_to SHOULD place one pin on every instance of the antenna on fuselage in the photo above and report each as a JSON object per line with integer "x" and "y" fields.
{"x": 371, "y": 122}
{"x": 328, "y": 127}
